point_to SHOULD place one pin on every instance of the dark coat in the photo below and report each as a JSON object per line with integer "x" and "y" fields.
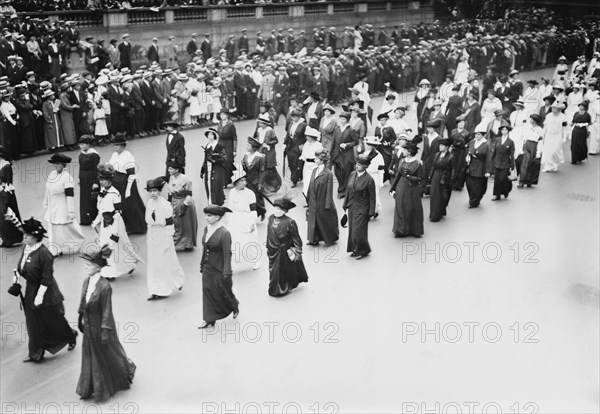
{"x": 322, "y": 214}
{"x": 39, "y": 270}
{"x": 214, "y": 183}
{"x": 503, "y": 155}
{"x": 125, "y": 54}
{"x": 176, "y": 149}
{"x": 481, "y": 159}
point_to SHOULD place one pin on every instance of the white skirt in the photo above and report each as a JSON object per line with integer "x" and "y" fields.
{"x": 164, "y": 271}
{"x": 65, "y": 238}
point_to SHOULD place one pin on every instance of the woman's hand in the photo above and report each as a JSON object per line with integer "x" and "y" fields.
{"x": 39, "y": 299}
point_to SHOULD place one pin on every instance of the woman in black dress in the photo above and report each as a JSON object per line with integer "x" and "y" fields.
{"x": 9, "y": 233}
{"x": 503, "y": 162}
{"x": 582, "y": 121}
{"x": 441, "y": 178}
{"x": 271, "y": 180}
{"x": 105, "y": 367}
{"x": 479, "y": 161}
{"x": 88, "y": 180}
{"x": 253, "y": 164}
{"x": 213, "y": 171}
{"x": 228, "y": 139}
{"x": 26, "y": 128}
{"x": 284, "y": 248}
{"x": 460, "y": 139}
{"x": 218, "y": 300}
{"x": 47, "y": 328}
{"x": 406, "y": 189}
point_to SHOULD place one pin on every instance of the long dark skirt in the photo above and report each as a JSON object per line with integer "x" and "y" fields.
{"x": 358, "y": 232}
{"x": 295, "y": 164}
{"x": 408, "y": 213}
{"x": 440, "y": 196}
{"x": 386, "y": 153}
{"x": 476, "y": 186}
{"x": 28, "y": 139}
{"x": 342, "y": 174}
{"x": 186, "y": 225}
{"x": 260, "y": 199}
{"x": 322, "y": 225}
{"x": 133, "y": 209}
{"x": 579, "y": 147}
{"x": 48, "y": 330}
{"x": 105, "y": 368}
{"x": 87, "y": 203}
{"x": 271, "y": 181}
{"x": 9, "y": 233}
{"x": 218, "y": 300}
{"x": 284, "y": 275}
{"x": 460, "y": 158}
{"x": 229, "y": 164}
{"x": 502, "y": 182}
{"x": 530, "y": 165}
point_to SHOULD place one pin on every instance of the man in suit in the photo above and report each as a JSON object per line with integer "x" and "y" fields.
{"x": 153, "y": 53}
{"x": 125, "y": 52}
{"x": 360, "y": 204}
{"x": 114, "y": 56}
{"x": 138, "y": 106}
{"x": 280, "y": 41}
{"x": 280, "y": 93}
{"x": 175, "y": 143}
{"x": 160, "y": 100}
{"x": 260, "y": 43}
{"x": 293, "y": 142}
{"x": 76, "y": 97}
{"x": 318, "y": 83}
{"x": 230, "y": 49}
{"x": 117, "y": 106}
{"x": 342, "y": 152}
{"x": 205, "y": 47}
{"x": 272, "y": 43}
{"x": 149, "y": 102}
{"x": 192, "y": 45}
{"x": 240, "y": 88}
{"x": 242, "y": 42}
{"x": 291, "y": 42}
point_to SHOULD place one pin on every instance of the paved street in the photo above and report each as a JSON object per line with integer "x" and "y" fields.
{"x": 493, "y": 307}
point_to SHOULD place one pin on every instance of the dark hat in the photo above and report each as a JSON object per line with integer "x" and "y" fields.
{"x": 382, "y": 115}
{"x": 585, "y": 104}
{"x": 59, "y": 158}
{"x": 225, "y": 111}
{"x": 328, "y": 107}
{"x": 105, "y": 172}
{"x": 173, "y": 124}
{"x": 315, "y": 96}
{"x": 436, "y": 123}
{"x": 505, "y": 125}
{"x": 98, "y": 258}
{"x": 86, "y": 139}
{"x": 323, "y": 155}
{"x": 345, "y": 115}
{"x": 492, "y": 92}
{"x": 499, "y": 112}
{"x": 550, "y": 98}
{"x": 254, "y": 143}
{"x": 119, "y": 139}
{"x": 211, "y": 130}
{"x": 33, "y": 227}
{"x": 532, "y": 82}
{"x": 390, "y": 96}
{"x": 344, "y": 221}
{"x": 266, "y": 104}
{"x": 445, "y": 141}
{"x": 216, "y": 210}
{"x": 363, "y": 161}
{"x": 175, "y": 164}
{"x": 537, "y": 119}
{"x": 284, "y": 203}
{"x": 411, "y": 146}
{"x": 296, "y": 112}
{"x": 155, "y": 184}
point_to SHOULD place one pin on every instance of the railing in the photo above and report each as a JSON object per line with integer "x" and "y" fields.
{"x": 343, "y": 7}
{"x": 377, "y": 6}
{"x": 145, "y": 17}
{"x": 272, "y": 10}
{"x": 239, "y": 13}
{"x": 190, "y": 15}
{"x": 315, "y": 8}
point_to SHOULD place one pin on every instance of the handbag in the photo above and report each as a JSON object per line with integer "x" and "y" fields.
{"x": 15, "y": 289}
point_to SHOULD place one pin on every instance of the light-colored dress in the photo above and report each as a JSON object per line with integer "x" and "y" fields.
{"x": 376, "y": 170}
{"x": 573, "y": 100}
{"x": 241, "y": 223}
{"x": 309, "y": 150}
{"x": 101, "y": 129}
{"x": 64, "y": 233}
{"x": 594, "y": 111}
{"x": 532, "y": 98}
{"x": 519, "y": 120}
{"x": 555, "y": 134}
{"x": 164, "y": 271}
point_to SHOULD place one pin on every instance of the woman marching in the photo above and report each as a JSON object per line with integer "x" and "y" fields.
{"x": 185, "y": 218}
{"x": 214, "y": 172}
{"x": 406, "y": 189}
{"x": 271, "y": 180}
{"x": 88, "y": 180}
{"x": 284, "y": 248}
{"x": 503, "y": 162}
{"x": 124, "y": 181}
{"x": 228, "y": 139}
{"x": 460, "y": 139}
{"x": 111, "y": 229}
{"x": 309, "y": 150}
{"x": 47, "y": 328}
{"x": 555, "y": 134}
{"x": 65, "y": 232}
{"x": 218, "y": 300}
{"x": 532, "y": 152}
{"x": 376, "y": 168}
{"x": 241, "y": 222}
{"x": 164, "y": 271}
{"x": 321, "y": 215}
{"x": 9, "y": 233}
{"x": 441, "y": 178}
{"x": 105, "y": 368}
{"x": 581, "y": 130}
{"x": 479, "y": 161}
{"x": 253, "y": 164}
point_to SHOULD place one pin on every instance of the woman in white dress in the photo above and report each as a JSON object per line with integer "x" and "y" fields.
{"x": 64, "y": 232}
{"x": 519, "y": 121}
{"x": 241, "y": 223}
{"x": 594, "y": 110}
{"x": 193, "y": 108}
{"x": 185, "y": 218}
{"x": 532, "y": 97}
{"x": 164, "y": 271}
{"x": 462, "y": 71}
{"x": 490, "y": 105}
{"x": 111, "y": 229}
{"x": 204, "y": 98}
{"x": 573, "y": 101}
{"x": 216, "y": 99}
{"x": 561, "y": 72}
{"x": 554, "y": 136}
{"x": 309, "y": 150}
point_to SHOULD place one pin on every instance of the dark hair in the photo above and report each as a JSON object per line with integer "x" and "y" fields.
{"x": 412, "y": 151}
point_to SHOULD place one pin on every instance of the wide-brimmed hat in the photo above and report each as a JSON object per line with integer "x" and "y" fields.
{"x": 59, "y": 158}
{"x": 284, "y": 203}
{"x": 47, "y": 93}
{"x": 254, "y": 143}
{"x": 174, "y": 124}
{"x": 211, "y": 131}
{"x": 362, "y": 160}
{"x": 323, "y": 155}
{"x": 445, "y": 141}
{"x": 411, "y": 146}
{"x": 550, "y": 98}
{"x": 215, "y": 210}
{"x": 119, "y": 139}
{"x": 519, "y": 102}
{"x": 382, "y": 115}
{"x": 312, "y": 132}
{"x": 436, "y": 123}
{"x": 537, "y": 119}
{"x": 105, "y": 172}
{"x": 513, "y": 72}
{"x": 499, "y": 112}
{"x": 86, "y": 139}
{"x": 329, "y": 108}
{"x": 424, "y": 82}
{"x": 315, "y": 96}
{"x": 558, "y": 105}
{"x": 346, "y": 115}
{"x": 155, "y": 184}
{"x": 372, "y": 140}
{"x": 33, "y": 227}
{"x": 96, "y": 258}
{"x": 225, "y": 111}
{"x": 175, "y": 164}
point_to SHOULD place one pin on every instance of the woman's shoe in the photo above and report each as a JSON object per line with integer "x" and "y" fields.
{"x": 236, "y": 313}
{"x": 206, "y": 325}
{"x": 74, "y": 342}
{"x": 496, "y": 198}
{"x": 153, "y": 297}
{"x": 256, "y": 266}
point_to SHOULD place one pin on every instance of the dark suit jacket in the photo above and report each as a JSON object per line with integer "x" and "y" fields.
{"x": 125, "y": 54}
{"x": 206, "y": 49}
{"x": 176, "y": 149}
{"x": 115, "y": 99}
{"x": 297, "y": 139}
{"x": 152, "y": 54}
{"x": 191, "y": 47}
{"x": 360, "y": 194}
{"x": 97, "y": 313}
{"x": 147, "y": 93}
{"x": 39, "y": 270}
{"x": 503, "y": 155}
{"x": 159, "y": 96}
{"x": 348, "y": 137}
{"x": 481, "y": 159}
{"x": 216, "y": 252}
{"x": 281, "y": 86}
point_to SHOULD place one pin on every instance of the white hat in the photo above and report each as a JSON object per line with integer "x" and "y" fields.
{"x": 265, "y": 118}
{"x": 102, "y": 80}
{"x": 424, "y": 82}
{"x": 312, "y": 132}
